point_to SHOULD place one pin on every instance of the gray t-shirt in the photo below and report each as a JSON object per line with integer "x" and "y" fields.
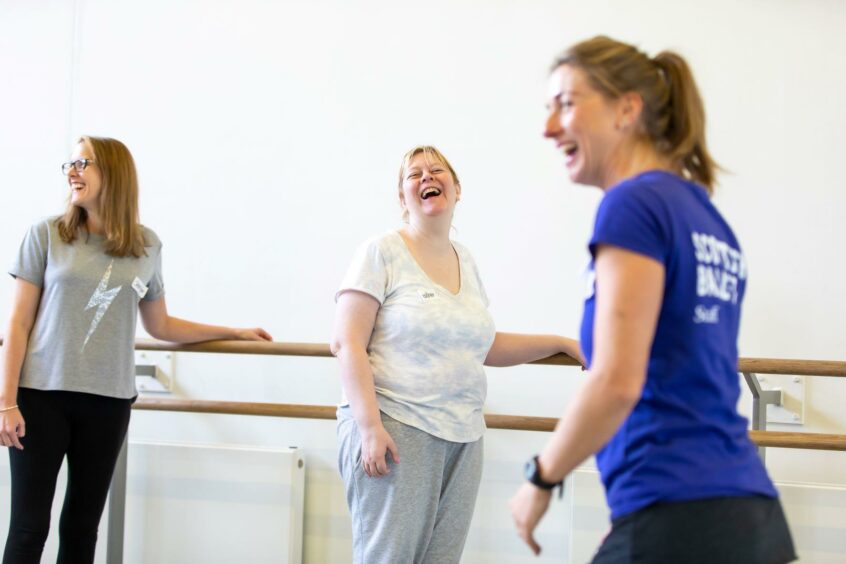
{"x": 428, "y": 345}
{"x": 83, "y": 339}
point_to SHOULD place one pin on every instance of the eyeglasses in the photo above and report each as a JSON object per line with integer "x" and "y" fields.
{"x": 79, "y": 165}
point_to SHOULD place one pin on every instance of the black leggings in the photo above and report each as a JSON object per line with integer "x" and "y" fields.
{"x": 90, "y": 430}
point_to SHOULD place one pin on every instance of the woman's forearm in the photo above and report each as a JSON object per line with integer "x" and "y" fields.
{"x": 179, "y": 330}
{"x": 511, "y": 349}
{"x": 629, "y": 289}
{"x": 597, "y": 411}
{"x": 357, "y": 380}
{"x": 18, "y": 329}
{"x": 14, "y": 348}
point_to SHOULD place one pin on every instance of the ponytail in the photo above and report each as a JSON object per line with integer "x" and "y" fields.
{"x": 684, "y": 133}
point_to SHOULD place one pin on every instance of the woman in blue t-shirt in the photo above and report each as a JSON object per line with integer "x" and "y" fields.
{"x": 659, "y": 331}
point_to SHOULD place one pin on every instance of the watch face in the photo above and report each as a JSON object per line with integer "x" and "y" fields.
{"x": 530, "y": 469}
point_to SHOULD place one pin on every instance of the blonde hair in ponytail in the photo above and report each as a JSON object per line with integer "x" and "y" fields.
{"x": 673, "y": 116}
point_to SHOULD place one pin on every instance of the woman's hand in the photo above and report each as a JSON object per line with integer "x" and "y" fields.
{"x": 376, "y": 443}
{"x": 254, "y": 334}
{"x": 12, "y": 427}
{"x": 527, "y": 507}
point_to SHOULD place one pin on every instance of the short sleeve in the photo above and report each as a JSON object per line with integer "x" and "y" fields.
{"x": 629, "y": 217}
{"x": 155, "y": 289}
{"x": 153, "y": 247}
{"x": 367, "y": 273}
{"x": 31, "y": 261}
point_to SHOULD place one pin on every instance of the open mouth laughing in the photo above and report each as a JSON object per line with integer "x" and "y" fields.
{"x": 570, "y": 150}
{"x": 430, "y": 192}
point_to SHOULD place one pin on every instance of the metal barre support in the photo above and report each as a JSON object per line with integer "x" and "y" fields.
{"x": 761, "y": 398}
{"x": 117, "y": 507}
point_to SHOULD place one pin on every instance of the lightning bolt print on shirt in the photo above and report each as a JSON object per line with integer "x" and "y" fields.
{"x": 101, "y": 299}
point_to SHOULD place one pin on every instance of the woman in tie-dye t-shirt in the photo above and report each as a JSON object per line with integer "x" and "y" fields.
{"x": 412, "y": 334}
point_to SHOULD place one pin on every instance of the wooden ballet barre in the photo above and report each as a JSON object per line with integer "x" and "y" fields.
{"x": 794, "y": 367}
{"x": 237, "y": 408}
{"x": 756, "y": 365}
{"x": 238, "y": 347}
{"x": 815, "y": 441}
{"x": 281, "y": 349}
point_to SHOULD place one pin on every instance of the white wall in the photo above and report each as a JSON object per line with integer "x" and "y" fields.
{"x": 268, "y": 136}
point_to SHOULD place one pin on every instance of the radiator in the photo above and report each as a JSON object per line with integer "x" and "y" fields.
{"x": 189, "y": 503}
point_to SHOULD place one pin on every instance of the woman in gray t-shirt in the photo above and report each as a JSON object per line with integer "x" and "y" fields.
{"x": 412, "y": 334}
{"x": 68, "y": 375}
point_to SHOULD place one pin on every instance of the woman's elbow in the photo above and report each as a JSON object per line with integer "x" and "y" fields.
{"x": 496, "y": 361}
{"x": 17, "y": 330}
{"x": 20, "y": 325}
{"x": 623, "y": 390}
{"x": 498, "y": 353}
{"x": 338, "y": 345}
{"x": 157, "y": 330}
{"x": 347, "y": 350}
{"x": 627, "y": 397}
{"x": 157, "y": 335}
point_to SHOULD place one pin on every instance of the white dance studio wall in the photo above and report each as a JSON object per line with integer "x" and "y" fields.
{"x": 267, "y": 136}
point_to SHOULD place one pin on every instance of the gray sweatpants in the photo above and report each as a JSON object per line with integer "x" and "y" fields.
{"x": 420, "y": 512}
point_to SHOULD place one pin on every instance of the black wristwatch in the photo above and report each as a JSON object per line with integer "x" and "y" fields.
{"x": 532, "y": 473}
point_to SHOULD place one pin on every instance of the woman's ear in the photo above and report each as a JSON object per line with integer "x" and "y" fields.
{"x": 629, "y": 108}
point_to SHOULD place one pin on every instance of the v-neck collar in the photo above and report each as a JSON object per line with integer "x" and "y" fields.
{"x": 426, "y": 276}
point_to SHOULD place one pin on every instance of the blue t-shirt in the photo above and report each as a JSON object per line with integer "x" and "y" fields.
{"x": 684, "y": 440}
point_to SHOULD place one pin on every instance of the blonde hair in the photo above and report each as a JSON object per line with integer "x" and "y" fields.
{"x": 673, "y": 116}
{"x": 430, "y": 153}
{"x": 118, "y": 201}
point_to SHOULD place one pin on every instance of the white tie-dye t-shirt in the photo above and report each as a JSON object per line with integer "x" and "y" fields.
{"x": 428, "y": 345}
